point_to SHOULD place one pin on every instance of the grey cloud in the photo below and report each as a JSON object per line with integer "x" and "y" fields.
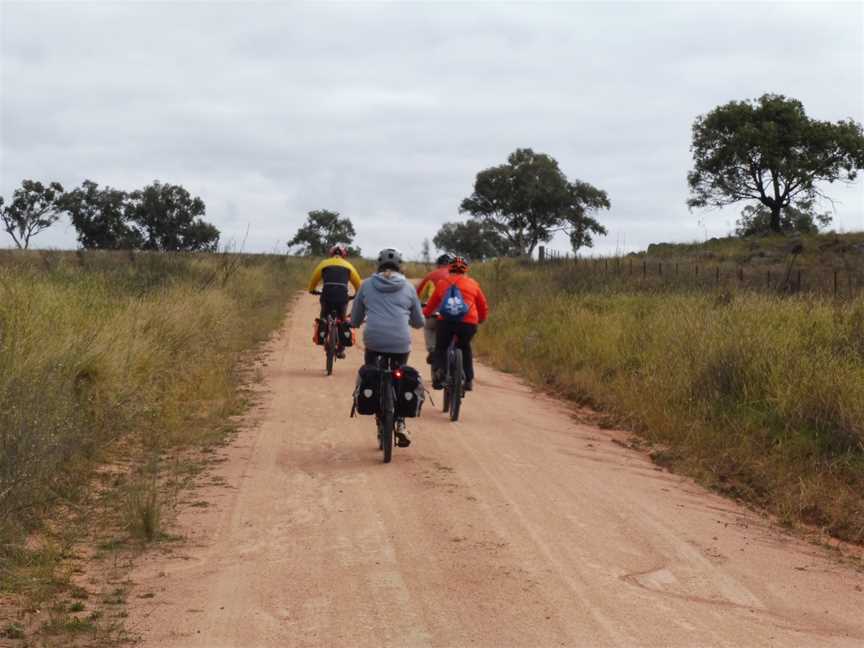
{"x": 386, "y": 112}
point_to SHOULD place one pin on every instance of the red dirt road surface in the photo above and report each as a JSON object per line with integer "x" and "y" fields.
{"x": 516, "y": 526}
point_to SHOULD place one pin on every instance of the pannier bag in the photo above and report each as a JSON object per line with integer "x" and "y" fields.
{"x": 410, "y": 393}
{"x": 319, "y": 333}
{"x": 367, "y": 400}
{"x": 346, "y": 334}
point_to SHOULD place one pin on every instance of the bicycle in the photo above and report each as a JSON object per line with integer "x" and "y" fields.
{"x": 389, "y": 371}
{"x": 331, "y": 338}
{"x": 454, "y": 381}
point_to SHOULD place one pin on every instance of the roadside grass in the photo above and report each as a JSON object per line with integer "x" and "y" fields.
{"x": 758, "y": 396}
{"x": 120, "y": 359}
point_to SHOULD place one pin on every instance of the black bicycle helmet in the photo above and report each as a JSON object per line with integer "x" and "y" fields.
{"x": 390, "y": 258}
{"x": 443, "y": 260}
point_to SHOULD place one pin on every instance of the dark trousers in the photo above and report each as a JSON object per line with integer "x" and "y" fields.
{"x": 340, "y": 308}
{"x": 444, "y": 332}
{"x": 399, "y": 358}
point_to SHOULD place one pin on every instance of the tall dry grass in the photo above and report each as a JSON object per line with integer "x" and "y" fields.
{"x": 95, "y": 347}
{"x": 759, "y": 396}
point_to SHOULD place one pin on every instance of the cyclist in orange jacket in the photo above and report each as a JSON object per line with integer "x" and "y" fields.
{"x": 464, "y": 327}
{"x": 425, "y": 290}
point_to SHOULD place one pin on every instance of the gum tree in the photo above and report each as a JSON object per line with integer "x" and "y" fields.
{"x": 169, "y": 218}
{"x": 529, "y": 199}
{"x": 34, "y": 207}
{"x": 322, "y": 230}
{"x": 769, "y": 151}
{"x": 473, "y": 239}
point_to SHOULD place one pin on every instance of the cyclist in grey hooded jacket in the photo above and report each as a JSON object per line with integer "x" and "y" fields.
{"x": 389, "y": 305}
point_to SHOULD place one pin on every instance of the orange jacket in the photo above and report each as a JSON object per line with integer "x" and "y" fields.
{"x": 427, "y": 287}
{"x": 471, "y": 293}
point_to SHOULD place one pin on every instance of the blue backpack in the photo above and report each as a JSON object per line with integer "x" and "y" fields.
{"x": 453, "y": 306}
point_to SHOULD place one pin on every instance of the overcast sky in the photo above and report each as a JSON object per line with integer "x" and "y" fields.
{"x": 386, "y": 112}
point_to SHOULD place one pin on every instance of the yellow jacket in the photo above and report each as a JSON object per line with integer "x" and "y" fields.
{"x": 335, "y": 270}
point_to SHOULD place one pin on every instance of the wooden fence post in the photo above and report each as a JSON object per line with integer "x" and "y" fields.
{"x": 541, "y": 253}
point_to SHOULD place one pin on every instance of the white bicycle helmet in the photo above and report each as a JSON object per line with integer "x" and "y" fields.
{"x": 390, "y": 256}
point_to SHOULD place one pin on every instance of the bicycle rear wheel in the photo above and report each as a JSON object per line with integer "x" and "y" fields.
{"x": 387, "y": 420}
{"x": 448, "y": 369}
{"x": 458, "y": 383}
{"x": 330, "y": 346}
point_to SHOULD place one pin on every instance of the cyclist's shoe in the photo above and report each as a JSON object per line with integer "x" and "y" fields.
{"x": 402, "y": 439}
{"x": 340, "y": 354}
{"x": 429, "y": 357}
{"x": 469, "y": 385}
{"x": 437, "y": 380}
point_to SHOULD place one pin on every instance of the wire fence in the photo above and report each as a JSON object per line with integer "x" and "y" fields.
{"x": 791, "y": 275}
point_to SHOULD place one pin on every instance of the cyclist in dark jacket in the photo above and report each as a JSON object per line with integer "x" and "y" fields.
{"x": 335, "y": 274}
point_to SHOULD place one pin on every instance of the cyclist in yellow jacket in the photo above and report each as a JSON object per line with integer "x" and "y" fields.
{"x": 335, "y": 274}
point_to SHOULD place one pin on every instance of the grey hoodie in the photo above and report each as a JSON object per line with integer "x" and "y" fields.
{"x": 389, "y": 305}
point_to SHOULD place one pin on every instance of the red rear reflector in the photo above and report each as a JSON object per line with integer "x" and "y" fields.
{"x": 397, "y": 374}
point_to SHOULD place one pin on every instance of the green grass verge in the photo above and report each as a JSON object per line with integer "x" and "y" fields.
{"x": 756, "y": 395}
{"x": 100, "y": 348}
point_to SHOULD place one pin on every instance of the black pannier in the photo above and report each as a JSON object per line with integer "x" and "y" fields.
{"x": 320, "y": 333}
{"x": 367, "y": 400}
{"x": 346, "y": 334}
{"x": 410, "y": 393}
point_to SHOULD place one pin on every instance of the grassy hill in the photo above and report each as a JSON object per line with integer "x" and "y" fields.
{"x": 825, "y": 251}
{"x": 821, "y": 263}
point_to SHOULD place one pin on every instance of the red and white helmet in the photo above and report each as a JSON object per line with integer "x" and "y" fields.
{"x": 339, "y": 250}
{"x": 459, "y": 265}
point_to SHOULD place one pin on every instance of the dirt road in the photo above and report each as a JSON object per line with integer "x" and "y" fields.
{"x": 515, "y": 527}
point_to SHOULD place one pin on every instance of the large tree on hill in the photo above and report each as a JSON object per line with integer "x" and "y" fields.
{"x": 322, "y": 230}
{"x": 103, "y": 218}
{"x": 768, "y": 150}
{"x": 529, "y": 199}
{"x": 474, "y": 239}
{"x": 34, "y": 208}
{"x": 169, "y": 218}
